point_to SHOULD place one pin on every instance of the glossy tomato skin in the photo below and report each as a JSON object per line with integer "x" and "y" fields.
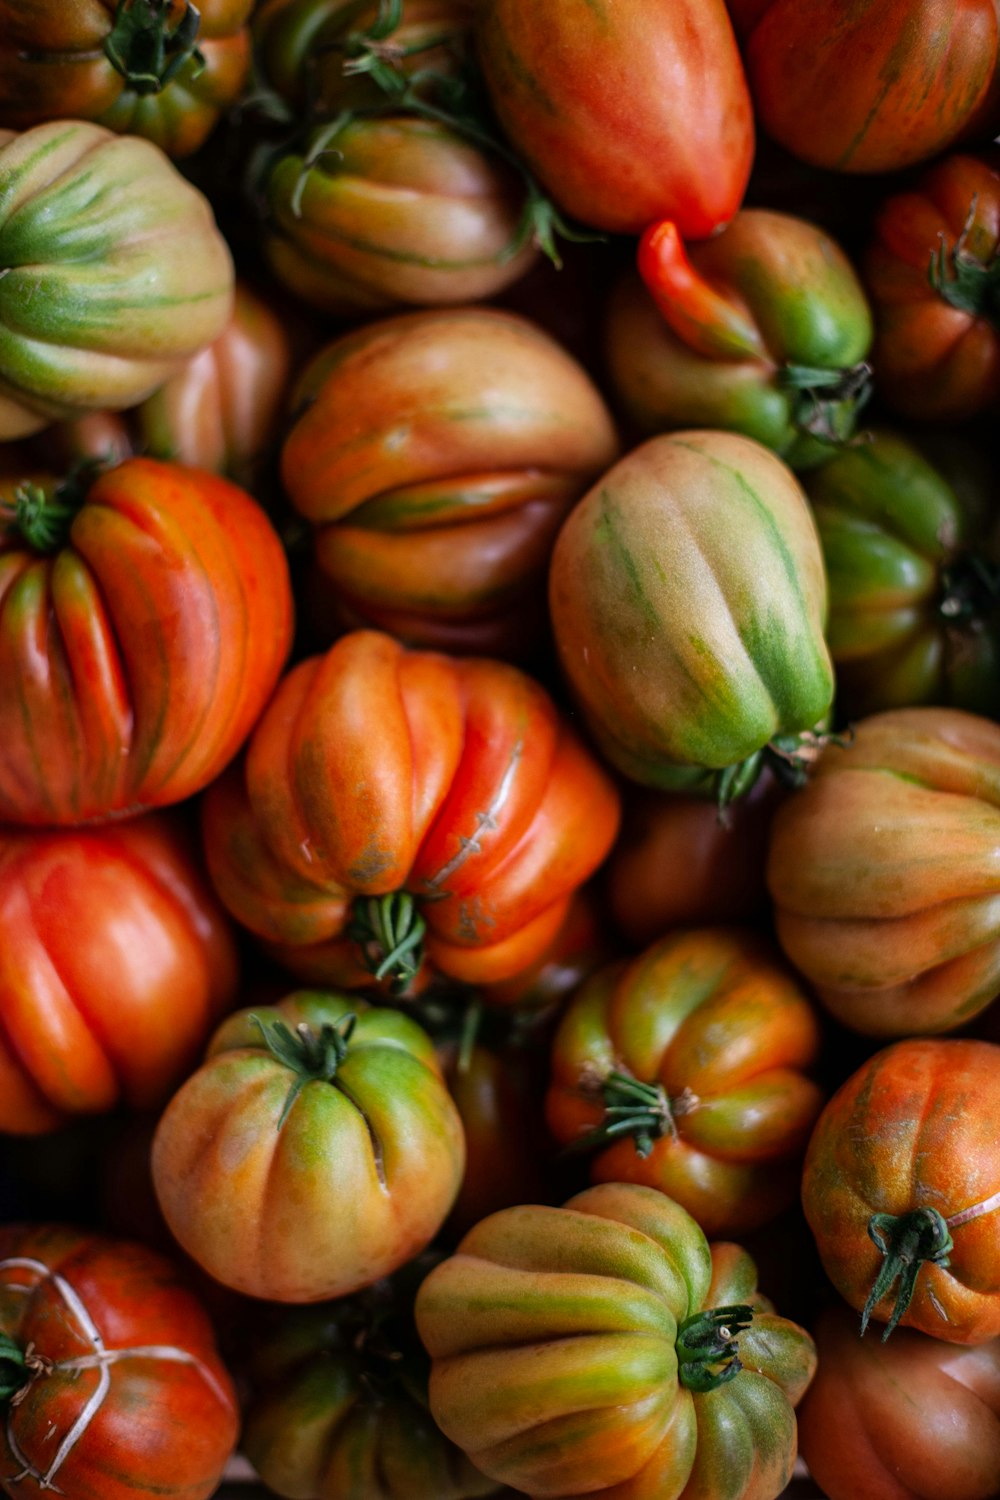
{"x": 89, "y": 218}
{"x": 115, "y": 962}
{"x": 937, "y": 346}
{"x": 171, "y": 618}
{"x": 137, "y": 1403}
{"x": 913, "y": 1128}
{"x": 880, "y": 86}
{"x": 711, "y": 1018}
{"x": 923, "y": 1416}
{"x": 437, "y": 454}
{"x": 716, "y": 336}
{"x": 896, "y": 540}
{"x": 375, "y": 769}
{"x": 353, "y": 1182}
{"x": 553, "y": 1333}
{"x": 883, "y": 873}
{"x": 53, "y": 62}
{"x": 625, "y": 144}
{"x": 396, "y": 211}
{"x": 650, "y": 543}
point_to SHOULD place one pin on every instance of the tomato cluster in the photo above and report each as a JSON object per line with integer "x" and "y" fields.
{"x": 499, "y": 760}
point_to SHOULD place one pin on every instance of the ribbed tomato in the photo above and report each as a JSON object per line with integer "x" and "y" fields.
{"x": 136, "y": 653}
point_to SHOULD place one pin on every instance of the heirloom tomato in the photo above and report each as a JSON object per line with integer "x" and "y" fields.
{"x": 300, "y": 1164}
{"x": 112, "y": 273}
{"x": 338, "y": 1409}
{"x": 685, "y": 1070}
{"x": 115, "y": 961}
{"x": 932, "y": 272}
{"x": 390, "y": 799}
{"x": 763, "y": 329}
{"x": 378, "y": 211}
{"x": 923, "y": 1417}
{"x": 872, "y": 86}
{"x": 624, "y": 142}
{"x": 901, "y": 1188}
{"x": 605, "y": 1348}
{"x": 111, "y": 1387}
{"x": 437, "y": 453}
{"x": 691, "y": 656}
{"x": 144, "y": 620}
{"x": 885, "y": 872}
{"x": 914, "y": 609}
{"x": 164, "y": 69}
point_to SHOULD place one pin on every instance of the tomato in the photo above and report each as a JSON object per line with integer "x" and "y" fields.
{"x": 581, "y": 944}
{"x": 141, "y": 67}
{"x": 115, "y": 960}
{"x": 883, "y": 873}
{"x": 688, "y": 655}
{"x": 220, "y": 411}
{"x": 923, "y": 1416}
{"x": 389, "y": 210}
{"x": 109, "y": 1374}
{"x": 685, "y": 1070}
{"x": 763, "y": 330}
{"x": 901, "y": 1188}
{"x": 678, "y": 864}
{"x": 386, "y": 791}
{"x": 625, "y": 143}
{"x": 339, "y": 1404}
{"x": 931, "y": 272}
{"x": 605, "y": 1348}
{"x": 875, "y": 87}
{"x": 112, "y": 273}
{"x": 299, "y": 1165}
{"x": 324, "y": 55}
{"x": 913, "y": 608}
{"x": 438, "y": 453}
{"x": 138, "y": 655}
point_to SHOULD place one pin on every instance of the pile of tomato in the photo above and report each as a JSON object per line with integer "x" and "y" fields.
{"x": 499, "y": 760}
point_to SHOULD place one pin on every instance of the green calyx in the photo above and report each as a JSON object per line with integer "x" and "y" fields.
{"x": 632, "y": 1108}
{"x": 14, "y": 1372}
{"x": 906, "y": 1241}
{"x": 708, "y": 1347}
{"x": 146, "y": 49}
{"x": 826, "y": 404}
{"x": 962, "y": 280}
{"x": 313, "y": 1056}
{"x": 43, "y": 519}
{"x": 790, "y": 757}
{"x": 389, "y": 931}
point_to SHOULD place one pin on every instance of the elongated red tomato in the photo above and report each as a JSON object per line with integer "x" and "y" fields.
{"x": 386, "y": 792}
{"x": 110, "y": 1384}
{"x": 135, "y": 655}
{"x": 625, "y": 142}
{"x": 115, "y": 962}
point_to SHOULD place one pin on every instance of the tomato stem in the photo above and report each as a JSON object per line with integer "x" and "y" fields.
{"x": 389, "y": 931}
{"x": 44, "y": 519}
{"x": 644, "y": 1111}
{"x": 906, "y": 1242}
{"x": 963, "y": 280}
{"x": 828, "y": 403}
{"x": 146, "y": 50}
{"x": 708, "y": 1347}
{"x": 315, "y": 1056}
{"x": 14, "y": 1372}
{"x": 790, "y": 757}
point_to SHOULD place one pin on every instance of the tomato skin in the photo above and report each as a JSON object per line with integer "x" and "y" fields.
{"x": 397, "y": 210}
{"x": 624, "y": 144}
{"x": 53, "y": 62}
{"x": 892, "y": 530}
{"x": 553, "y": 1334}
{"x": 711, "y": 1017}
{"x": 923, "y": 1416}
{"x": 437, "y": 454}
{"x": 883, "y": 873}
{"x": 353, "y": 1183}
{"x": 171, "y": 613}
{"x": 166, "y": 1423}
{"x": 375, "y": 769}
{"x": 115, "y": 960}
{"x": 95, "y": 219}
{"x": 936, "y": 360}
{"x": 881, "y": 86}
{"x": 914, "y": 1127}
{"x": 650, "y": 542}
{"x": 712, "y": 340}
